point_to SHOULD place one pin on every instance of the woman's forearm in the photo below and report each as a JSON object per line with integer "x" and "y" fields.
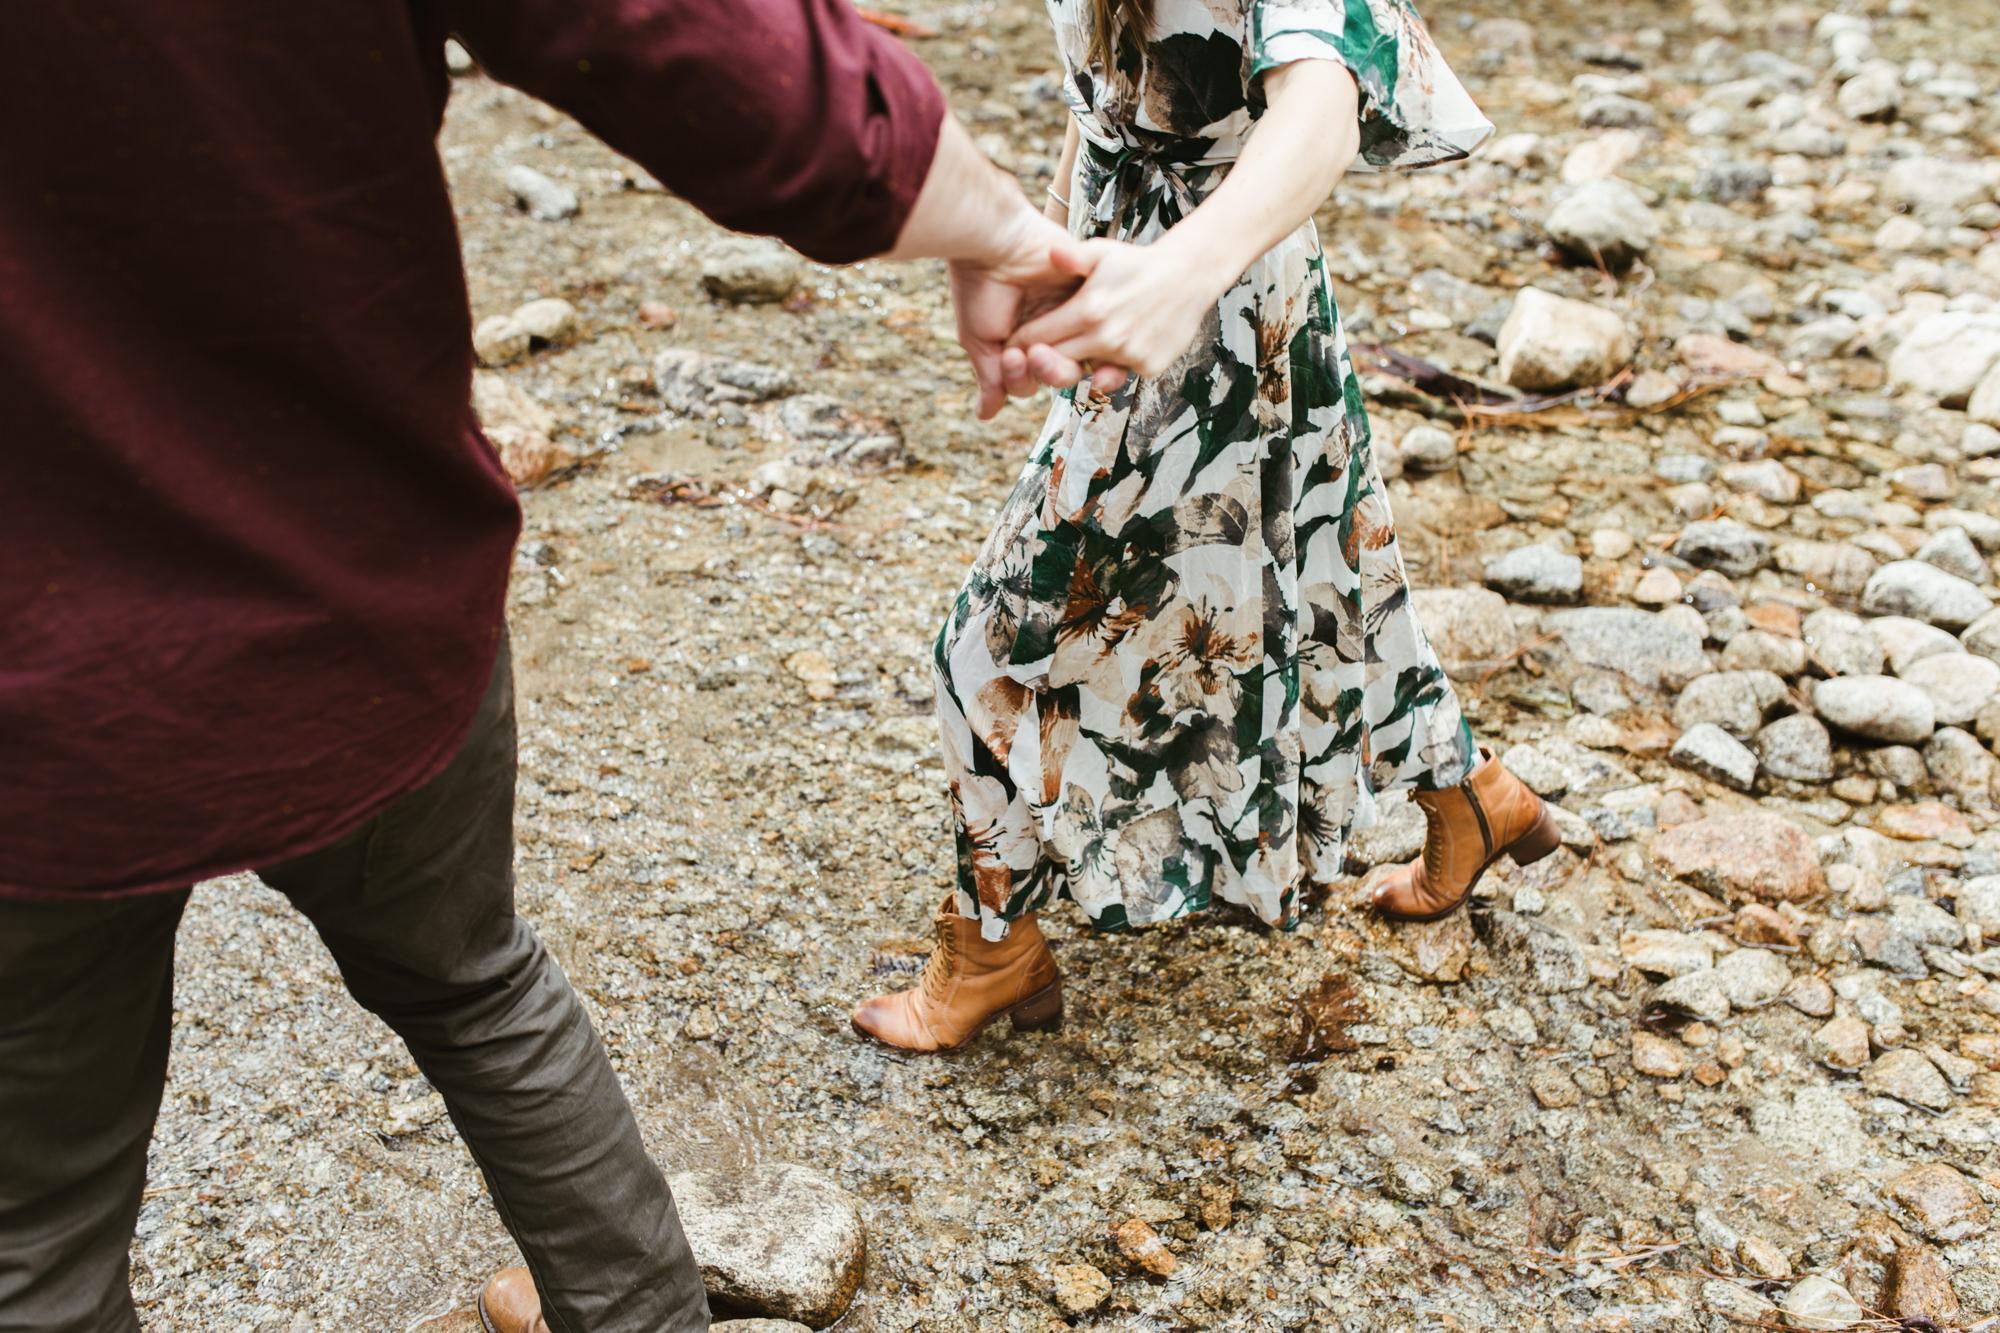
{"x": 1305, "y": 141}
{"x": 1054, "y": 210}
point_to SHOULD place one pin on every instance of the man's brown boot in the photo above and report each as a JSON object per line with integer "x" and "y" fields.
{"x": 1490, "y": 814}
{"x": 509, "y": 1303}
{"x": 968, "y": 983}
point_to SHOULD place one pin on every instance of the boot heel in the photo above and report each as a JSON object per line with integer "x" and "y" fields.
{"x": 1537, "y": 842}
{"x": 1040, "y": 1012}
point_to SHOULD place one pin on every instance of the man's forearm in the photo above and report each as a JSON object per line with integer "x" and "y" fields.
{"x": 968, "y": 208}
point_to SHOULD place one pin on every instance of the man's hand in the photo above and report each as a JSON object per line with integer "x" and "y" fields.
{"x": 1009, "y": 264}
{"x": 1040, "y": 266}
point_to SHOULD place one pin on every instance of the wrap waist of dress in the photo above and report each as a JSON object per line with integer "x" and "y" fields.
{"x": 1145, "y": 177}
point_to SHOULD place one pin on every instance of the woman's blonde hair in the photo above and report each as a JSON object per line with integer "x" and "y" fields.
{"x": 1109, "y": 20}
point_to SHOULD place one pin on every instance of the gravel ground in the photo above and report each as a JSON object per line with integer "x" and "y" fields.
{"x": 1737, "y": 1033}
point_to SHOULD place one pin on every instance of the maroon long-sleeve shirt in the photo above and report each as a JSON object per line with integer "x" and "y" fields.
{"x": 253, "y": 549}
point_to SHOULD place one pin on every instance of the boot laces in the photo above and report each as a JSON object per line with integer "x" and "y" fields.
{"x": 1434, "y": 867}
{"x": 942, "y": 965}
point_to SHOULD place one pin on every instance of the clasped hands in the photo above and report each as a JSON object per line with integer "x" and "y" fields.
{"x": 1046, "y": 308}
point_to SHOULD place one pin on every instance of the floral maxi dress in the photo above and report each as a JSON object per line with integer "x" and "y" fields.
{"x": 1186, "y": 656}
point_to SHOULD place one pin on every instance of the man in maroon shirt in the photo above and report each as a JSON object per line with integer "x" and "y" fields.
{"x": 256, "y": 552}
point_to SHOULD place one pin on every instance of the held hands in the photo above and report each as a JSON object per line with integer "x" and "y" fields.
{"x": 1054, "y": 310}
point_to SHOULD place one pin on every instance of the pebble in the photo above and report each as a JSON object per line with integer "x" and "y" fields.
{"x": 755, "y": 1326}
{"x": 1820, "y": 1304}
{"x": 1941, "y": 1202}
{"x": 1658, "y": 1056}
{"x": 1553, "y": 1087}
{"x": 1698, "y": 993}
{"x": 1916, "y": 1286}
{"x": 1757, "y": 855}
{"x": 1959, "y": 684}
{"x": 1757, "y": 924}
{"x": 1761, "y": 650}
{"x": 1959, "y": 765}
{"x": 749, "y": 270}
{"x": 1141, "y": 1245}
{"x": 1550, "y": 342}
{"x": 1908, "y": 1077}
{"x": 520, "y": 429}
{"x": 1752, "y": 977}
{"x": 1713, "y": 753}
{"x": 692, "y": 382}
{"x": 776, "y": 1241}
{"x": 1536, "y": 574}
{"x": 499, "y": 340}
{"x": 1924, "y": 592}
{"x": 1428, "y": 447}
{"x": 1978, "y": 904}
{"x": 1810, "y": 995}
{"x": 549, "y": 320}
{"x": 1762, "y": 1258}
{"x": 1842, "y": 1043}
{"x": 1551, "y": 961}
{"x": 1725, "y": 546}
{"x": 1982, "y": 636}
{"x": 1604, "y": 224}
{"x": 1666, "y": 953}
{"x": 1796, "y": 748}
{"x": 1766, "y": 477}
{"x": 1657, "y": 587}
{"x": 1880, "y": 708}
{"x": 1080, "y": 1288}
{"x": 543, "y": 198}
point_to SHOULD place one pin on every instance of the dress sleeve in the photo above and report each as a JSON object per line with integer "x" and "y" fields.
{"x": 792, "y": 118}
{"x": 1414, "y": 111}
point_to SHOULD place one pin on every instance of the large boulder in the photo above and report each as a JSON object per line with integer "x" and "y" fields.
{"x": 1757, "y": 855}
{"x": 1550, "y": 342}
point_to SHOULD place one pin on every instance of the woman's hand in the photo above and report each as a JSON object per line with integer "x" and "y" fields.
{"x": 1139, "y": 309}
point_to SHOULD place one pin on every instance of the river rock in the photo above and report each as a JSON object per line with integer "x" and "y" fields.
{"x": 1657, "y": 1056}
{"x": 1908, "y": 1077}
{"x": 541, "y": 197}
{"x": 1713, "y": 753}
{"x": 749, "y": 270}
{"x": 1536, "y": 574}
{"x": 520, "y": 429}
{"x": 1428, "y": 448}
{"x": 1604, "y": 223}
{"x": 1552, "y": 960}
{"x": 1872, "y": 94}
{"x": 1842, "y": 1043}
{"x": 1550, "y": 342}
{"x": 1838, "y": 642}
{"x": 1752, "y": 977}
{"x": 1080, "y": 1288}
{"x": 549, "y": 320}
{"x": 1646, "y": 648}
{"x": 1905, "y": 641}
{"x": 1468, "y": 628}
{"x": 1938, "y": 188}
{"x": 695, "y": 382}
{"x": 1924, "y": 592}
{"x": 1947, "y": 355}
{"x": 1953, "y": 551}
{"x": 1960, "y": 765}
{"x": 1878, "y": 708}
{"x": 1916, "y": 1286}
{"x": 1941, "y": 1202}
{"x": 1840, "y": 567}
{"x": 774, "y": 1241}
{"x": 1959, "y": 684}
{"x": 1896, "y": 939}
{"x": 1979, "y": 903}
{"x": 1666, "y": 953}
{"x": 1736, "y": 701}
{"x": 1796, "y": 748}
{"x": 1698, "y": 993}
{"x": 1820, "y": 1305}
{"x": 499, "y": 340}
{"x": 1756, "y": 855}
{"x": 1984, "y": 405}
{"x": 1725, "y": 546}
{"x": 1982, "y": 636}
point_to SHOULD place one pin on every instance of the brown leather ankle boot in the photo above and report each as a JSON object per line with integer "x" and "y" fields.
{"x": 1490, "y": 814}
{"x": 968, "y": 983}
{"x": 510, "y": 1304}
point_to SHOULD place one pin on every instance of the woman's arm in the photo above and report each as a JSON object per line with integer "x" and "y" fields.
{"x": 1056, "y": 211}
{"x": 1142, "y": 306}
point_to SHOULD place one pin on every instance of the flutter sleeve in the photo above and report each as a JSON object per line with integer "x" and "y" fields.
{"x": 1414, "y": 111}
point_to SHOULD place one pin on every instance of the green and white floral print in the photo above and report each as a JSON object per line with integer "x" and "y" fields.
{"x": 1186, "y": 656}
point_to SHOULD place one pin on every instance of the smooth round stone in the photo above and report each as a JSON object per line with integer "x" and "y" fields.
{"x": 1924, "y": 592}
{"x": 1880, "y": 708}
{"x": 1796, "y": 748}
{"x": 1959, "y": 684}
{"x": 1760, "y": 650}
{"x": 1840, "y": 644}
{"x": 1905, "y": 641}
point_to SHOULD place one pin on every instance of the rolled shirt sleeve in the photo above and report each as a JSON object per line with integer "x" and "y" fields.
{"x": 792, "y": 118}
{"x": 1414, "y": 111}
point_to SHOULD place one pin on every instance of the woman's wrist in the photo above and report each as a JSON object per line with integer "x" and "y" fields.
{"x": 1208, "y": 261}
